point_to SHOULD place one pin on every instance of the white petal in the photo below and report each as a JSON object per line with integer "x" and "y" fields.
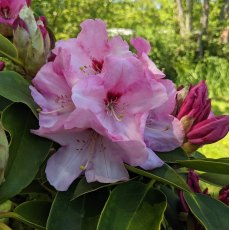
{"x": 64, "y": 167}
{"x": 106, "y": 167}
{"x": 152, "y": 162}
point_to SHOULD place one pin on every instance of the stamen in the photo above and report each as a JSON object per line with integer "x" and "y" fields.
{"x": 97, "y": 65}
{"x": 5, "y": 12}
{"x": 92, "y": 145}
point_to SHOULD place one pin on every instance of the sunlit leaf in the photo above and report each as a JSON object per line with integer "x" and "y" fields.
{"x": 212, "y": 213}
{"x": 207, "y": 165}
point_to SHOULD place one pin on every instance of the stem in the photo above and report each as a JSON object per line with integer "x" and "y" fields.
{"x": 4, "y": 226}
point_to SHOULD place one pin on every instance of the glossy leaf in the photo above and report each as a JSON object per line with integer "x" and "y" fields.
{"x": 207, "y": 165}
{"x": 4, "y": 226}
{"x": 4, "y": 103}
{"x": 173, "y": 207}
{"x": 32, "y": 213}
{"x": 81, "y": 213}
{"x": 15, "y": 88}
{"x": 172, "y": 156}
{"x": 214, "y": 178}
{"x": 133, "y": 206}
{"x": 26, "y": 152}
{"x": 83, "y": 187}
{"x": 211, "y": 213}
{"x": 7, "y": 49}
{"x": 165, "y": 174}
{"x": 4, "y": 152}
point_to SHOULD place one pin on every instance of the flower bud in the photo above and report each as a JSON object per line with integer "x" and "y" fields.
{"x": 2, "y": 65}
{"x": 193, "y": 181}
{"x": 32, "y": 41}
{"x": 224, "y": 195}
{"x": 196, "y": 106}
{"x": 208, "y": 131}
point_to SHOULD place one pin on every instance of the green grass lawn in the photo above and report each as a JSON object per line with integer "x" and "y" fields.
{"x": 220, "y": 148}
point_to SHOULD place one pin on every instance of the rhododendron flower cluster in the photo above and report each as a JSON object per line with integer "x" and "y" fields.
{"x": 96, "y": 98}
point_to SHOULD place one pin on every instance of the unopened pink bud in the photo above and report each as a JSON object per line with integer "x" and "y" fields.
{"x": 2, "y": 65}
{"x": 224, "y": 195}
{"x": 196, "y": 104}
{"x": 193, "y": 181}
{"x": 209, "y": 131}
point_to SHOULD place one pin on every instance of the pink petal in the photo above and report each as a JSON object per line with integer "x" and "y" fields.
{"x": 141, "y": 45}
{"x": 163, "y": 134}
{"x": 93, "y": 38}
{"x": 152, "y": 162}
{"x": 65, "y": 166}
{"x": 107, "y": 166}
{"x": 169, "y": 105}
{"x": 119, "y": 47}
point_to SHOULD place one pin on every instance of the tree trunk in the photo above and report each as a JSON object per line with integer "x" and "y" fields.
{"x": 224, "y": 13}
{"x": 188, "y": 16}
{"x": 180, "y": 16}
{"x": 204, "y": 27}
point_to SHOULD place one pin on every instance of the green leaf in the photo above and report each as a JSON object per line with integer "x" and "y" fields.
{"x": 83, "y": 187}
{"x": 4, "y": 103}
{"x": 215, "y": 179}
{"x": 172, "y": 156}
{"x": 4, "y": 152}
{"x": 4, "y": 226}
{"x": 164, "y": 174}
{"x": 15, "y": 88}
{"x": 212, "y": 213}
{"x": 133, "y": 206}
{"x": 81, "y": 213}
{"x": 173, "y": 208}
{"x": 26, "y": 152}
{"x": 207, "y": 165}
{"x": 8, "y": 50}
{"x": 32, "y": 213}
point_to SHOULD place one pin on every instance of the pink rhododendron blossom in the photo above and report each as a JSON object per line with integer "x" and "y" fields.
{"x": 96, "y": 156}
{"x": 9, "y": 10}
{"x": 52, "y": 93}
{"x": 95, "y": 96}
{"x": 164, "y": 132}
{"x": 90, "y": 49}
{"x": 117, "y": 98}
